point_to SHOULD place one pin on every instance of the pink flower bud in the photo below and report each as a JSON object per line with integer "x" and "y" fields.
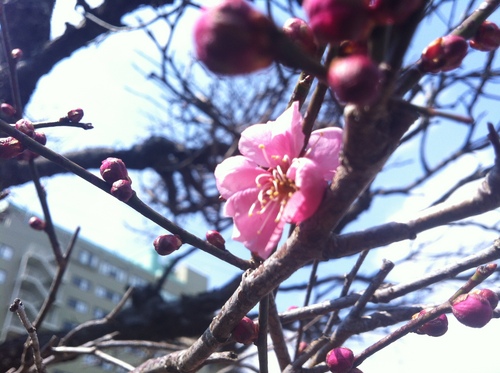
{"x": 246, "y": 331}
{"x": 299, "y": 31}
{"x": 216, "y": 239}
{"x": 167, "y": 243}
{"x": 334, "y": 21}
{"x": 28, "y": 154}
{"x": 388, "y": 12}
{"x": 16, "y": 54}
{"x": 472, "y": 310}
{"x": 487, "y": 37}
{"x": 122, "y": 189}
{"x": 354, "y": 79}
{"x": 232, "y": 38}
{"x": 37, "y": 223}
{"x": 443, "y": 54}
{"x": 490, "y": 295}
{"x": 26, "y": 127}
{"x": 340, "y": 360}
{"x": 75, "y": 115}
{"x": 435, "y": 327}
{"x": 302, "y": 347}
{"x": 113, "y": 169}
{"x": 10, "y": 147}
{"x": 8, "y": 109}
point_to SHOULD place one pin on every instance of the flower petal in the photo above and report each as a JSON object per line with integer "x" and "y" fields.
{"x": 235, "y": 174}
{"x": 267, "y": 144}
{"x": 309, "y": 179}
{"x": 324, "y": 148}
{"x": 259, "y": 232}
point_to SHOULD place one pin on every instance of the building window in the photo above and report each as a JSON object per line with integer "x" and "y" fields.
{"x": 136, "y": 281}
{"x": 6, "y": 252}
{"x": 99, "y": 313}
{"x": 102, "y": 292}
{"x": 87, "y": 258}
{"x": 78, "y": 305}
{"x": 110, "y": 270}
{"x": 81, "y": 283}
{"x": 3, "y": 276}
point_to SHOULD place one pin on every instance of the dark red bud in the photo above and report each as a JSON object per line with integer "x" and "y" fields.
{"x": 233, "y": 38}
{"x": 216, "y": 239}
{"x": 75, "y": 115}
{"x": 334, "y": 21}
{"x": 26, "y": 127}
{"x": 443, "y": 54}
{"x": 435, "y": 327}
{"x": 167, "y": 243}
{"x": 472, "y": 310}
{"x": 490, "y": 295}
{"x": 299, "y": 32}
{"x": 113, "y": 169}
{"x": 10, "y": 147}
{"x": 8, "y": 109}
{"x": 37, "y": 223}
{"x": 122, "y": 189}
{"x": 388, "y": 12}
{"x": 354, "y": 79}
{"x": 16, "y": 54}
{"x": 340, "y": 360}
{"x": 487, "y": 37}
{"x": 246, "y": 331}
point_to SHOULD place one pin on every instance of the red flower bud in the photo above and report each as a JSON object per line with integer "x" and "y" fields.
{"x": 216, "y": 239}
{"x": 299, "y": 31}
{"x": 26, "y": 127}
{"x": 435, "y": 327}
{"x": 75, "y": 115}
{"x": 232, "y": 38}
{"x": 246, "y": 331}
{"x": 8, "y": 109}
{"x": 37, "y": 223}
{"x": 334, "y": 21}
{"x": 340, "y": 360}
{"x": 388, "y": 12}
{"x": 16, "y": 54}
{"x": 10, "y": 147}
{"x": 28, "y": 154}
{"x": 490, "y": 295}
{"x": 122, "y": 189}
{"x": 444, "y": 54}
{"x": 167, "y": 243}
{"x": 487, "y": 37}
{"x": 472, "y": 310}
{"x": 113, "y": 169}
{"x": 354, "y": 79}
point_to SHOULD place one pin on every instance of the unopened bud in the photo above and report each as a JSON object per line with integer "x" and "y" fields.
{"x": 487, "y": 37}
{"x": 75, "y": 115}
{"x": 340, "y": 360}
{"x": 472, "y": 310}
{"x": 113, "y": 169}
{"x": 233, "y": 38}
{"x": 443, "y": 54}
{"x": 26, "y": 127}
{"x": 8, "y": 109}
{"x": 388, "y": 12}
{"x": 28, "y": 154}
{"x": 299, "y": 32}
{"x": 302, "y": 347}
{"x": 10, "y": 147}
{"x": 167, "y": 243}
{"x": 216, "y": 239}
{"x": 16, "y": 54}
{"x": 37, "y": 223}
{"x": 435, "y": 327}
{"x": 122, "y": 189}
{"x": 490, "y": 295}
{"x": 246, "y": 331}
{"x": 354, "y": 79}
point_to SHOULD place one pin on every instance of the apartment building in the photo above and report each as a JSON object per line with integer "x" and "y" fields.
{"x": 93, "y": 284}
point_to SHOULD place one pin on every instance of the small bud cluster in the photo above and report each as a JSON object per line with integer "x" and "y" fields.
{"x": 475, "y": 309}
{"x": 10, "y": 147}
{"x": 166, "y": 244}
{"x": 114, "y": 172}
{"x": 246, "y": 331}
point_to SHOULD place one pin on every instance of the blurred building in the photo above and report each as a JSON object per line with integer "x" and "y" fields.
{"x": 93, "y": 284}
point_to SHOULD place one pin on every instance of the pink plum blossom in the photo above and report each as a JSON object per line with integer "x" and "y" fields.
{"x": 271, "y": 183}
